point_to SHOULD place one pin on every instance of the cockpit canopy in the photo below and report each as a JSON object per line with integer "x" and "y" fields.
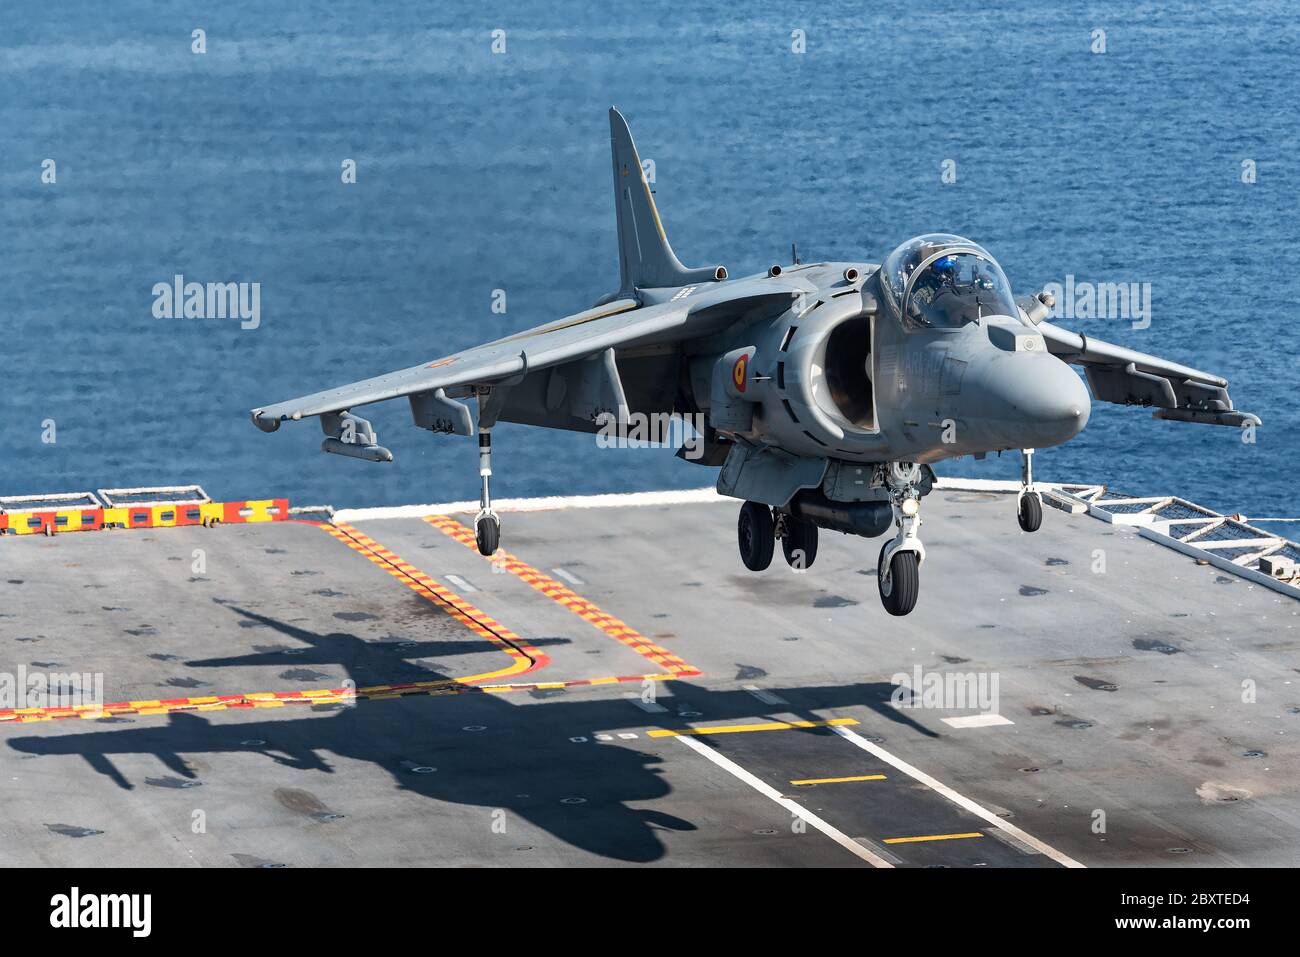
{"x": 941, "y": 281}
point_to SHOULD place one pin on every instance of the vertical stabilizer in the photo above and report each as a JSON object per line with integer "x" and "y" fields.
{"x": 644, "y": 256}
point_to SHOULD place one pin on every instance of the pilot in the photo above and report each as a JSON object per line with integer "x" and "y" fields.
{"x": 945, "y": 270}
{"x": 942, "y": 272}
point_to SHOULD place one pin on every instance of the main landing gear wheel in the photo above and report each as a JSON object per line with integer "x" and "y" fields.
{"x": 757, "y": 536}
{"x": 900, "y": 583}
{"x": 487, "y": 533}
{"x": 1030, "y": 512}
{"x": 799, "y": 543}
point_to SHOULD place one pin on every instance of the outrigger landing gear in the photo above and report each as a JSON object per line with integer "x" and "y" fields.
{"x": 487, "y": 524}
{"x": 1029, "y": 503}
{"x": 898, "y": 572}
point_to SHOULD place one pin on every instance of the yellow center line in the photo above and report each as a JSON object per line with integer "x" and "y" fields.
{"x": 859, "y": 777}
{"x": 737, "y": 728}
{"x": 931, "y": 837}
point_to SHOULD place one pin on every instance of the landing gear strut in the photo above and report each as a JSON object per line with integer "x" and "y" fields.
{"x": 1029, "y": 503}
{"x": 487, "y": 524}
{"x": 798, "y": 541}
{"x": 898, "y": 572}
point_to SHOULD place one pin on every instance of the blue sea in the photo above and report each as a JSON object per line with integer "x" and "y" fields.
{"x": 479, "y": 171}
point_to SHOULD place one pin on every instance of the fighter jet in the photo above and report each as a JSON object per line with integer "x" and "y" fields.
{"x": 825, "y": 391}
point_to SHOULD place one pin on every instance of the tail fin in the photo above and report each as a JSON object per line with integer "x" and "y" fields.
{"x": 645, "y": 258}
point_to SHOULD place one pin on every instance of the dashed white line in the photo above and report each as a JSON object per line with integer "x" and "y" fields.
{"x": 567, "y": 575}
{"x": 731, "y": 767}
{"x": 460, "y": 583}
{"x": 960, "y": 800}
{"x": 767, "y": 697}
{"x": 976, "y": 721}
{"x": 648, "y": 706}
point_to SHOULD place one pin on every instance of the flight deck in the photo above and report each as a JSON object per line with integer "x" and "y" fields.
{"x": 614, "y": 687}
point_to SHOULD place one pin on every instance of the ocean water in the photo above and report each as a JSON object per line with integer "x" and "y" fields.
{"x": 480, "y": 171}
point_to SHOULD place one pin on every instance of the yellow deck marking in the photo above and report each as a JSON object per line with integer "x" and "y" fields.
{"x": 524, "y": 658}
{"x": 566, "y": 597}
{"x": 859, "y": 777}
{"x": 931, "y": 837}
{"x": 738, "y": 728}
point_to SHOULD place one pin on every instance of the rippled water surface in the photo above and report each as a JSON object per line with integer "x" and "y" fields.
{"x": 479, "y": 171}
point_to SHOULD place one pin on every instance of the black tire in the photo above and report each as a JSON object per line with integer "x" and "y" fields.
{"x": 799, "y": 543}
{"x": 487, "y": 532}
{"x": 1030, "y": 512}
{"x": 898, "y": 594}
{"x": 756, "y": 535}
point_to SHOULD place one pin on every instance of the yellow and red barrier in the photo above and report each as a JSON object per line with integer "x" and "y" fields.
{"x": 153, "y": 515}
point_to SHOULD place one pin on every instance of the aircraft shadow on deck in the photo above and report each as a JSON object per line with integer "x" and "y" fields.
{"x": 529, "y": 768}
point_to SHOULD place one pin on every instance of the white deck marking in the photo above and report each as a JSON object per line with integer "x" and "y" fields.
{"x": 976, "y": 721}
{"x": 767, "y": 697}
{"x": 648, "y": 706}
{"x": 460, "y": 583}
{"x": 696, "y": 496}
{"x": 731, "y": 767}
{"x": 568, "y": 576}
{"x": 960, "y": 800}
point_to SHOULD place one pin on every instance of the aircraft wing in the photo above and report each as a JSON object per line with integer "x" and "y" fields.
{"x": 1126, "y": 377}
{"x": 619, "y": 323}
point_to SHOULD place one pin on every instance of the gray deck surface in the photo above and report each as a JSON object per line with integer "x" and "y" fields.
{"x": 1124, "y": 689}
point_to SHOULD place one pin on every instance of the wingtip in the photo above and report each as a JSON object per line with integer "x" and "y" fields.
{"x": 266, "y": 423}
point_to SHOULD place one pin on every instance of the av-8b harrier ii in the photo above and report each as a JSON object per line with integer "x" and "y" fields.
{"x": 826, "y": 390}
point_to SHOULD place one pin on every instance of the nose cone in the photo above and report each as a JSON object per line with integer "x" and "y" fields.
{"x": 1032, "y": 400}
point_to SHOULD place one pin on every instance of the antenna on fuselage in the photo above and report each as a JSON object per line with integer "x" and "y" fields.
{"x": 794, "y": 254}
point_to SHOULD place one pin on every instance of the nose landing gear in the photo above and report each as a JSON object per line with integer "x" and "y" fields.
{"x": 1029, "y": 503}
{"x": 898, "y": 574}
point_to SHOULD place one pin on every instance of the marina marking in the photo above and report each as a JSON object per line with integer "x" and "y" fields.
{"x": 839, "y": 837}
{"x": 618, "y": 630}
{"x": 857, "y": 777}
{"x": 960, "y": 800}
{"x": 741, "y": 728}
{"x": 931, "y": 837}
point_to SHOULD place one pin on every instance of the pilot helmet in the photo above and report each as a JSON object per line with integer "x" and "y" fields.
{"x": 945, "y": 267}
